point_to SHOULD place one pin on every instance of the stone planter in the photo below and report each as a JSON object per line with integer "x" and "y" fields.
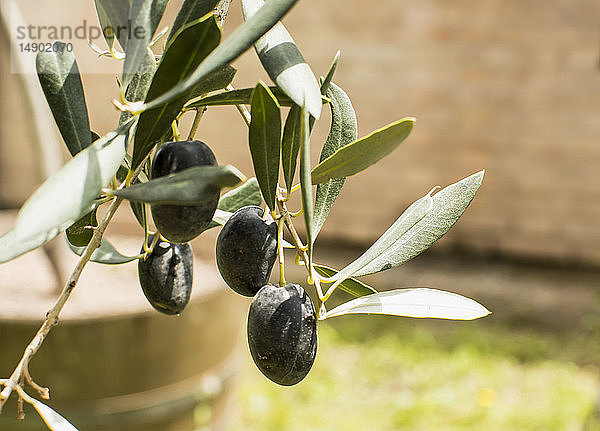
{"x": 114, "y": 363}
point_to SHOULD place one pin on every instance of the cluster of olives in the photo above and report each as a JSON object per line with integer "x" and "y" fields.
{"x": 166, "y": 274}
{"x": 282, "y": 323}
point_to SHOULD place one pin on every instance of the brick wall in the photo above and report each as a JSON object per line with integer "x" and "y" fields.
{"x": 508, "y": 86}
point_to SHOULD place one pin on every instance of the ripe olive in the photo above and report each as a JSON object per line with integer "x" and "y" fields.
{"x": 182, "y": 223}
{"x": 246, "y": 250}
{"x": 166, "y": 276}
{"x": 282, "y": 333}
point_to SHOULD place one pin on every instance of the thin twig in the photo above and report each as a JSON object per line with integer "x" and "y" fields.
{"x": 199, "y": 114}
{"x": 242, "y": 109}
{"x": 53, "y": 315}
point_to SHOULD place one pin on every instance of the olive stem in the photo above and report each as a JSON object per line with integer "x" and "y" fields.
{"x": 280, "y": 224}
{"x": 245, "y": 113}
{"x": 53, "y": 314}
{"x": 301, "y": 248}
{"x": 199, "y": 114}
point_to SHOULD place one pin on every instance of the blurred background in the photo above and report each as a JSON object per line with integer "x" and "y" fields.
{"x": 505, "y": 86}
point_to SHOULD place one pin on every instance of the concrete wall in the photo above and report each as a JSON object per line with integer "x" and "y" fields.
{"x": 509, "y": 86}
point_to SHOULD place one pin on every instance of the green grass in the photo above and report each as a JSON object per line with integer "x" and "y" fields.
{"x": 382, "y": 373}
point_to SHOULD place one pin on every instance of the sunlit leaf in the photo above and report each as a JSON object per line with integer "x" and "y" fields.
{"x": 343, "y": 131}
{"x": 284, "y": 63}
{"x": 191, "y": 186}
{"x": 113, "y": 16}
{"x": 189, "y": 11}
{"x": 143, "y": 19}
{"x": 417, "y": 302}
{"x": 327, "y": 80}
{"x": 423, "y": 223}
{"x": 361, "y": 154}
{"x": 54, "y": 421}
{"x": 236, "y": 44}
{"x": 106, "y": 254}
{"x": 80, "y": 233}
{"x": 247, "y": 194}
{"x": 187, "y": 49}
{"x": 240, "y": 96}
{"x": 349, "y": 285}
{"x": 305, "y": 184}
{"x": 66, "y": 196}
{"x": 59, "y": 77}
{"x": 265, "y": 141}
{"x": 140, "y": 83}
{"x": 290, "y": 145}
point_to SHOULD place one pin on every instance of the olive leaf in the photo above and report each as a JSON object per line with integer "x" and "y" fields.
{"x": 144, "y": 17}
{"x": 415, "y": 302}
{"x": 343, "y": 131}
{"x": 290, "y": 145}
{"x": 66, "y": 195}
{"x": 423, "y": 223}
{"x": 305, "y": 184}
{"x": 191, "y": 186}
{"x": 244, "y": 195}
{"x": 349, "y": 285}
{"x": 327, "y": 80}
{"x": 113, "y": 16}
{"x": 54, "y": 421}
{"x": 140, "y": 83}
{"x": 363, "y": 153}
{"x": 240, "y": 96}
{"x": 59, "y": 77}
{"x": 189, "y": 11}
{"x": 265, "y": 141}
{"x": 80, "y": 233}
{"x": 285, "y": 64}
{"x": 236, "y": 44}
{"x": 183, "y": 54}
{"x": 106, "y": 254}
{"x": 217, "y": 80}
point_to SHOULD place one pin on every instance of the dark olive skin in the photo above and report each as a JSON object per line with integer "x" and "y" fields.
{"x": 246, "y": 250}
{"x": 282, "y": 333}
{"x": 182, "y": 223}
{"x": 166, "y": 276}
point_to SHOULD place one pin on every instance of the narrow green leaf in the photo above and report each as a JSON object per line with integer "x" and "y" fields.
{"x": 113, "y": 16}
{"x": 305, "y": 184}
{"x": 265, "y": 141}
{"x": 239, "y": 96}
{"x": 285, "y": 64}
{"x": 236, "y": 44}
{"x": 188, "y": 48}
{"x": 66, "y": 196}
{"x": 54, "y": 421}
{"x": 191, "y": 10}
{"x": 217, "y": 80}
{"x": 417, "y": 302}
{"x": 106, "y": 254}
{"x": 423, "y": 223}
{"x": 350, "y": 285}
{"x": 361, "y": 154}
{"x": 290, "y": 144}
{"x": 327, "y": 80}
{"x": 233, "y": 200}
{"x": 343, "y": 131}
{"x": 247, "y": 194}
{"x": 80, "y": 233}
{"x": 191, "y": 186}
{"x": 143, "y": 18}
{"x": 59, "y": 77}
{"x": 140, "y": 83}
